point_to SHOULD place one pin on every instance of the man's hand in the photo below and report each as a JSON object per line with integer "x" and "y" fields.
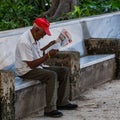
{"x": 52, "y": 52}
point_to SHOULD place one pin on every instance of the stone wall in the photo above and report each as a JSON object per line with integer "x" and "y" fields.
{"x": 7, "y": 109}
{"x": 105, "y": 46}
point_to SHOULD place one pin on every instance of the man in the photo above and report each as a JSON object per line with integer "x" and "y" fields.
{"x": 29, "y": 59}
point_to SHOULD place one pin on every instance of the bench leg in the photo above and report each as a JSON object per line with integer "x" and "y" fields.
{"x": 7, "y": 111}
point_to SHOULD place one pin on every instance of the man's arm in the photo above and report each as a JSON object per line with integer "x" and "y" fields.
{"x": 48, "y": 45}
{"x": 39, "y": 61}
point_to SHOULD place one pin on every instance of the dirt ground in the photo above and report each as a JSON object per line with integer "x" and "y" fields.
{"x": 100, "y": 103}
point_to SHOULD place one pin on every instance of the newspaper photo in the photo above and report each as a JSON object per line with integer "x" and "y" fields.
{"x": 64, "y": 38}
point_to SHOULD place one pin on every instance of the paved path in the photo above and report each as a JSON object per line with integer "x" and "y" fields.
{"x": 101, "y": 103}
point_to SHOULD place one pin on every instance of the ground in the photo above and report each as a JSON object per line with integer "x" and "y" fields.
{"x": 100, "y": 103}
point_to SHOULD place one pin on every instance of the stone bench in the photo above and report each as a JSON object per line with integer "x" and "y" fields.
{"x": 86, "y": 70}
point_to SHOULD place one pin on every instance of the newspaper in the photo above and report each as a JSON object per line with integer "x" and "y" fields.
{"x": 63, "y": 40}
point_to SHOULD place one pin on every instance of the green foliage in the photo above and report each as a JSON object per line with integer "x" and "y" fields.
{"x": 21, "y": 13}
{"x": 93, "y": 7}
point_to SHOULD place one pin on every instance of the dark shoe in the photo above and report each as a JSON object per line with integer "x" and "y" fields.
{"x": 69, "y": 106}
{"x": 54, "y": 113}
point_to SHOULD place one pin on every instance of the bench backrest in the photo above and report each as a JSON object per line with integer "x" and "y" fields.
{"x": 7, "y": 50}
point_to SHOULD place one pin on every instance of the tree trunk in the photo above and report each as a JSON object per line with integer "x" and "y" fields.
{"x": 60, "y": 7}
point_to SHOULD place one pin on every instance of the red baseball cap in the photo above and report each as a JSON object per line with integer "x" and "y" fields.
{"x": 44, "y": 24}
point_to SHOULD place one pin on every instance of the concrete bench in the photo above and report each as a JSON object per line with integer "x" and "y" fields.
{"x": 86, "y": 70}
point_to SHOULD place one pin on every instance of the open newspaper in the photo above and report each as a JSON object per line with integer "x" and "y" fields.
{"x": 63, "y": 40}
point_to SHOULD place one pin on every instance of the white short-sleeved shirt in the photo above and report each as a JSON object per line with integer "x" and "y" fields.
{"x": 27, "y": 50}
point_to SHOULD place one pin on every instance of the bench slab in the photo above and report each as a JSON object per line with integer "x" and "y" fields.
{"x": 96, "y": 74}
{"x": 30, "y": 100}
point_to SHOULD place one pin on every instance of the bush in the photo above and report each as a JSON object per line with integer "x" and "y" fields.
{"x": 21, "y": 13}
{"x": 92, "y": 7}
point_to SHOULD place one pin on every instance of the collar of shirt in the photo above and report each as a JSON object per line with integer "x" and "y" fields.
{"x": 31, "y": 38}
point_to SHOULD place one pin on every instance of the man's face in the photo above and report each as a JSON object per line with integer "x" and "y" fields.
{"x": 39, "y": 33}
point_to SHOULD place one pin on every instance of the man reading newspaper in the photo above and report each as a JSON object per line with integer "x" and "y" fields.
{"x": 29, "y": 65}
{"x": 63, "y": 39}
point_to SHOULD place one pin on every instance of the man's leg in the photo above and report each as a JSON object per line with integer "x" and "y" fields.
{"x": 50, "y": 79}
{"x": 64, "y": 88}
{"x": 64, "y": 84}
